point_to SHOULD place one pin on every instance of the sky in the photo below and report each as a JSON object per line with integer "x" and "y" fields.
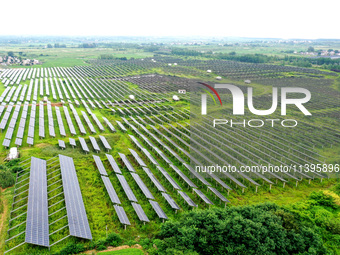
{"x": 227, "y": 18}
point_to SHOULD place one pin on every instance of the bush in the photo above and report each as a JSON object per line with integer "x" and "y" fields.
{"x": 6, "y": 179}
{"x": 71, "y": 248}
{"x": 114, "y": 239}
{"x": 16, "y": 169}
{"x": 12, "y": 162}
{"x": 319, "y": 198}
{"x": 100, "y": 242}
{"x": 336, "y": 188}
{"x": 258, "y": 229}
{"x": 101, "y": 247}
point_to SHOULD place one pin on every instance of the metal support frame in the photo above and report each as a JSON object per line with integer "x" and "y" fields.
{"x": 57, "y": 220}
{"x": 56, "y": 211}
{"x": 56, "y": 195}
{"x": 54, "y": 183}
{"x": 16, "y": 226}
{"x": 17, "y": 216}
{"x": 58, "y": 230}
{"x": 15, "y": 236}
{"x": 56, "y": 203}
{"x": 54, "y": 189}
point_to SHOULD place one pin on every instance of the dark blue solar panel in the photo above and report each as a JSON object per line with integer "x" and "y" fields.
{"x": 37, "y": 228}
{"x": 76, "y": 214}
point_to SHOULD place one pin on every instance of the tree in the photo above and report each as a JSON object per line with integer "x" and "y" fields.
{"x": 259, "y": 229}
{"x": 10, "y": 54}
{"x": 49, "y": 45}
{"x": 310, "y": 49}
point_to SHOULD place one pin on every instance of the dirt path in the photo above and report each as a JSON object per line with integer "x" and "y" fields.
{"x": 3, "y": 217}
{"x": 4, "y": 213}
{"x": 110, "y": 248}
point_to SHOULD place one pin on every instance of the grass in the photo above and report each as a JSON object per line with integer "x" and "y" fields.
{"x": 65, "y": 57}
{"x": 130, "y": 251}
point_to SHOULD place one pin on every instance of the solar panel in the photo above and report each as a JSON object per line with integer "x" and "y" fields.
{"x": 127, "y": 189}
{"x": 100, "y": 165}
{"x": 140, "y": 212}
{"x": 100, "y": 126}
{"x": 30, "y": 140}
{"x": 18, "y": 141}
{"x": 108, "y": 123}
{"x": 127, "y": 162}
{"x": 138, "y": 159}
{"x": 171, "y": 202}
{"x": 105, "y": 142}
{"x": 37, "y": 227}
{"x": 121, "y": 126}
{"x": 83, "y": 144}
{"x": 110, "y": 190}
{"x": 94, "y": 143}
{"x": 154, "y": 180}
{"x": 187, "y": 198}
{"x": 76, "y": 214}
{"x": 197, "y": 175}
{"x": 9, "y": 133}
{"x": 72, "y": 142}
{"x": 169, "y": 178}
{"x": 87, "y": 120}
{"x": 201, "y": 195}
{"x": 142, "y": 186}
{"x": 150, "y": 157}
{"x": 60, "y": 122}
{"x": 6, "y": 142}
{"x": 61, "y": 144}
{"x": 122, "y": 215}
{"x": 183, "y": 176}
{"x": 217, "y": 193}
{"x": 69, "y": 121}
{"x": 113, "y": 164}
{"x": 161, "y": 214}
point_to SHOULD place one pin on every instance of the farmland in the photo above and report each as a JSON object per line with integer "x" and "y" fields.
{"x": 132, "y": 149}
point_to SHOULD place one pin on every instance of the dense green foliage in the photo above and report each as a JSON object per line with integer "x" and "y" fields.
{"x": 7, "y": 172}
{"x": 259, "y": 229}
{"x": 6, "y": 178}
{"x": 311, "y": 226}
{"x": 112, "y": 239}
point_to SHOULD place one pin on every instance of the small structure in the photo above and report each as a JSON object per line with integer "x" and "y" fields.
{"x": 208, "y": 71}
{"x": 132, "y": 97}
{"x": 13, "y": 153}
{"x": 182, "y": 91}
{"x": 247, "y": 81}
{"x": 175, "y": 98}
{"x": 218, "y": 78}
{"x": 45, "y": 99}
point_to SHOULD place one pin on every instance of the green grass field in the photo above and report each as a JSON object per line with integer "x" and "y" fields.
{"x": 130, "y": 251}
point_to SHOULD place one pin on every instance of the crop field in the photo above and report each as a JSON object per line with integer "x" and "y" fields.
{"x": 115, "y": 153}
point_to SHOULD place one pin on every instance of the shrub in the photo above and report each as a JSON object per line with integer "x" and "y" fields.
{"x": 6, "y": 179}
{"x": 71, "y": 248}
{"x": 320, "y": 198}
{"x": 101, "y": 247}
{"x": 16, "y": 169}
{"x": 12, "y": 162}
{"x": 100, "y": 242}
{"x": 336, "y": 188}
{"x": 258, "y": 229}
{"x": 114, "y": 239}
